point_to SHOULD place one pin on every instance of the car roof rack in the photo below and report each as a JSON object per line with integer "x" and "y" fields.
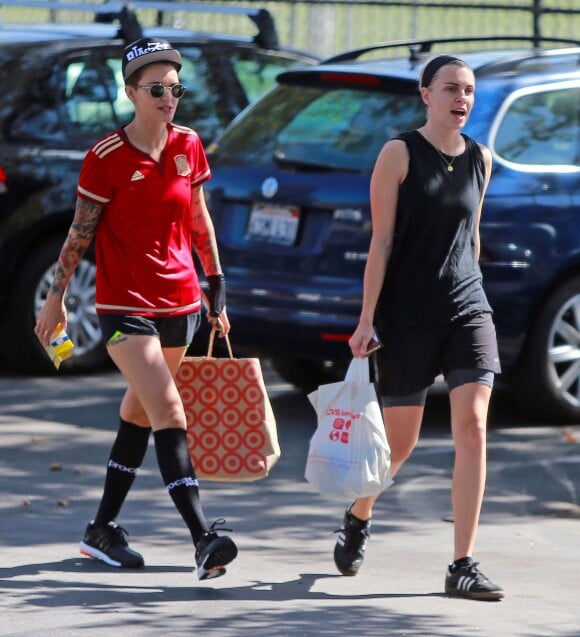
{"x": 130, "y": 27}
{"x": 419, "y": 50}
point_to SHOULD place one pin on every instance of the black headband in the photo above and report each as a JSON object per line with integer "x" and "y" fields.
{"x": 433, "y": 66}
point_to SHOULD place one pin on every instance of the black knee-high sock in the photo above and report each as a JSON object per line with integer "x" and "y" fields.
{"x": 126, "y": 457}
{"x": 179, "y": 477}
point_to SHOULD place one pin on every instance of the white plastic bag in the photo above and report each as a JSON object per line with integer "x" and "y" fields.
{"x": 349, "y": 456}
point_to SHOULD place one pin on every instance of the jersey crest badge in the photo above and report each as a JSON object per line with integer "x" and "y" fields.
{"x": 182, "y": 166}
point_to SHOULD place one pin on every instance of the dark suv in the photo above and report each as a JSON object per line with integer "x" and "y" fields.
{"x": 290, "y": 198}
{"x": 62, "y": 89}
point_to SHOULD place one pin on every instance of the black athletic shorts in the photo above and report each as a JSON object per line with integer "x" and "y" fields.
{"x": 412, "y": 357}
{"x": 172, "y": 331}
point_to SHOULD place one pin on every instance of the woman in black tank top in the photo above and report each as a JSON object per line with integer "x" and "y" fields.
{"x": 423, "y": 296}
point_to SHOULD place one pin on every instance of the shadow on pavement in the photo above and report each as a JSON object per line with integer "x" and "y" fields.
{"x": 54, "y": 441}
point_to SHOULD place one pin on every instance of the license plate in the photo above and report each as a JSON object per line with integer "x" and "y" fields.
{"x": 273, "y": 224}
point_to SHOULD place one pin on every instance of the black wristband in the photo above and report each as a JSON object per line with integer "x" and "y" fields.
{"x": 216, "y": 293}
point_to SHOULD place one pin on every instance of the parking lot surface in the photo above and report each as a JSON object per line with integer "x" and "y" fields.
{"x": 55, "y": 435}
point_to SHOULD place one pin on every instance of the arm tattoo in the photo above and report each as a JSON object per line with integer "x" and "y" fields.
{"x": 203, "y": 235}
{"x": 80, "y": 235}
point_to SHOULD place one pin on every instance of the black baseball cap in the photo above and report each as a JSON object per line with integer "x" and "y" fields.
{"x": 146, "y": 51}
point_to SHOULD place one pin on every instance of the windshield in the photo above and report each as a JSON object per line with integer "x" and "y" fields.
{"x": 311, "y": 128}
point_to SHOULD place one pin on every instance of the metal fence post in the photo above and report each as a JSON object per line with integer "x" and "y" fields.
{"x": 536, "y": 16}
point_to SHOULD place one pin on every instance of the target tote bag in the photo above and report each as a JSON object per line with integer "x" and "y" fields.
{"x": 231, "y": 428}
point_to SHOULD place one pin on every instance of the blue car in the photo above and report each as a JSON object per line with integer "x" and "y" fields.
{"x": 290, "y": 198}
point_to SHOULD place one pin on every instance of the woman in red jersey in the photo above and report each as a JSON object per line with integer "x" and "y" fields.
{"x": 140, "y": 197}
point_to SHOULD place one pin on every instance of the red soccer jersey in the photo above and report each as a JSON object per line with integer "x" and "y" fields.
{"x": 143, "y": 240}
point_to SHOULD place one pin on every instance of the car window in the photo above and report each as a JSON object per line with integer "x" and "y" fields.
{"x": 97, "y": 102}
{"x": 200, "y": 108}
{"x": 257, "y": 72}
{"x": 36, "y": 110}
{"x": 90, "y": 91}
{"x": 541, "y": 128}
{"x": 123, "y": 106}
{"x": 332, "y": 127}
{"x": 75, "y": 101}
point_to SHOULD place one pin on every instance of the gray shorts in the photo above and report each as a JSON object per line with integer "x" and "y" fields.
{"x": 454, "y": 379}
{"x": 464, "y": 352}
{"x": 172, "y": 331}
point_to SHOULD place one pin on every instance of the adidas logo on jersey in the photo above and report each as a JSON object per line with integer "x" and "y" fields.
{"x": 137, "y": 175}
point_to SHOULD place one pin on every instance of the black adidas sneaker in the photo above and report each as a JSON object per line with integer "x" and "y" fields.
{"x": 468, "y": 581}
{"x": 349, "y": 551}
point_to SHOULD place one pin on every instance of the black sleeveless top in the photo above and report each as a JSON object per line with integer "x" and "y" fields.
{"x": 433, "y": 276}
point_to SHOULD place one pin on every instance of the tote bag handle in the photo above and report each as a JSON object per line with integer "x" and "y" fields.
{"x": 212, "y": 334}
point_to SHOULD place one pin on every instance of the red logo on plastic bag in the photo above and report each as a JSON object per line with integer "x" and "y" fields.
{"x": 340, "y": 429}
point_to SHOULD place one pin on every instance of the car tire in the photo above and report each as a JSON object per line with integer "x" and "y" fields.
{"x": 22, "y": 350}
{"x": 548, "y": 381}
{"x": 308, "y": 375}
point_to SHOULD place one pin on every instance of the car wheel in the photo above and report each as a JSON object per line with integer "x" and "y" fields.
{"x": 23, "y": 352}
{"x": 307, "y": 375}
{"x": 548, "y": 380}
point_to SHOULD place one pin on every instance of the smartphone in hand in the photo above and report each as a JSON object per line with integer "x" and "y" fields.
{"x": 373, "y": 345}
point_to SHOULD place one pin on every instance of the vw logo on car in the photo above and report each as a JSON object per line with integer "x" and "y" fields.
{"x": 269, "y": 187}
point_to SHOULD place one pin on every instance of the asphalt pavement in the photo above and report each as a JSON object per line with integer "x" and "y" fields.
{"x": 55, "y": 435}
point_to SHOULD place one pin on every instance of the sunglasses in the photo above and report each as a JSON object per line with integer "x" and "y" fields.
{"x": 157, "y": 90}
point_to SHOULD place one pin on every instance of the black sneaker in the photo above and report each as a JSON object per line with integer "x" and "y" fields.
{"x": 468, "y": 581}
{"x": 349, "y": 551}
{"x": 213, "y": 552}
{"x": 109, "y": 544}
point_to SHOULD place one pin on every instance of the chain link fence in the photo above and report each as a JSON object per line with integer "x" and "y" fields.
{"x": 327, "y": 27}
{"x": 331, "y": 27}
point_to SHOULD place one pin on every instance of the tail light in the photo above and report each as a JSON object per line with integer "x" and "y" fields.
{"x": 3, "y": 180}
{"x": 331, "y": 336}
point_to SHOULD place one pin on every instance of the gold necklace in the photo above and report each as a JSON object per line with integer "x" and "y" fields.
{"x": 449, "y": 164}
